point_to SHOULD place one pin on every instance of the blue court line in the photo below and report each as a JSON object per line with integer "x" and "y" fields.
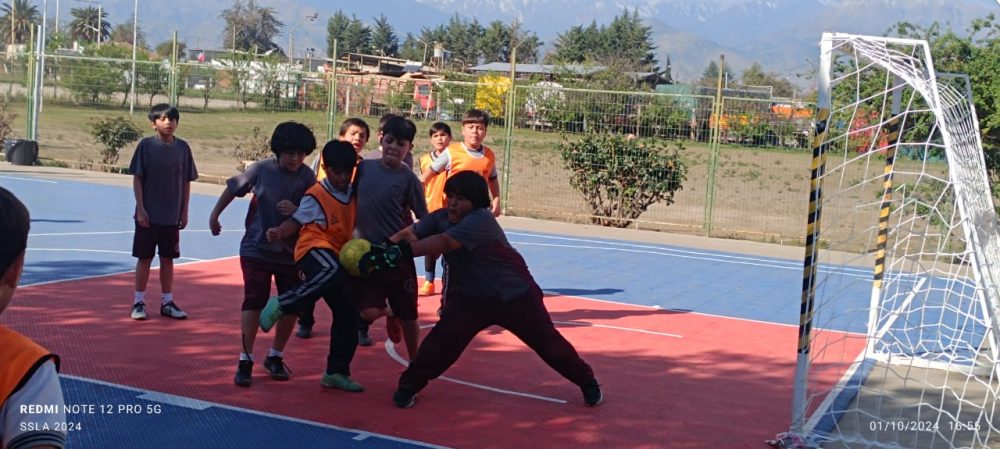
{"x": 115, "y": 416}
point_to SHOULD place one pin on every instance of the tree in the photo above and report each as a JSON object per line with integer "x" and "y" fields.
{"x": 23, "y": 15}
{"x": 123, "y": 33}
{"x": 625, "y": 38}
{"x": 620, "y": 176}
{"x": 113, "y": 132}
{"x": 84, "y": 24}
{"x": 250, "y": 27}
{"x": 164, "y": 50}
{"x": 710, "y": 76}
{"x": 755, "y": 76}
{"x": 411, "y": 49}
{"x": 384, "y": 40}
{"x": 351, "y": 35}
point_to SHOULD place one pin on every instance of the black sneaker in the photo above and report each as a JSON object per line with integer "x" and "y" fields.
{"x": 171, "y": 310}
{"x": 276, "y": 366}
{"x": 364, "y": 339}
{"x": 404, "y": 398}
{"x": 243, "y": 377}
{"x": 139, "y": 311}
{"x": 304, "y": 331}
{"x": 592, "y": 393}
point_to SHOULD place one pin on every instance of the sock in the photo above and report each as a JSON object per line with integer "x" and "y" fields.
{"x": 139, "y": 297}
{"x": 274, "y": 353}
{"x": 245, "y": 356}
{"x": 167, "y": 298}
{"x": 429, "y": 276}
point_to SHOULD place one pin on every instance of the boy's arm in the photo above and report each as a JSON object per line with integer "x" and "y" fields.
{"x": 285, "y": 229}
{"x": 494, "y": 184}
{"x": 426, "y": 174}
{"x": 406, "y": 233}
{"x": 141, "y": 216}
{"x": 213, "y": 219}
{"x": 185, "y": 200}
{"x": 435, "y": 244}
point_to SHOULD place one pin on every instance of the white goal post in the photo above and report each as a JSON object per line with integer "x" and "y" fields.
{"x": 898, "y": 334}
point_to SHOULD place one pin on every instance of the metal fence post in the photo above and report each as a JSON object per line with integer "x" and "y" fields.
{"x": 173, "y": 71}
{"x": 713, "y": 159}
{"x": 331, "y": 104}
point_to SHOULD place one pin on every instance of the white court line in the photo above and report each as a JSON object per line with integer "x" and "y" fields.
{"x": 617, "y": 328}
{"x": 29, "y": 179}
{"x": 98, "y": 276}
{"x": 180, "y": 401}
{"x": 72, "y": 234}
{"x": 80, "y": 250}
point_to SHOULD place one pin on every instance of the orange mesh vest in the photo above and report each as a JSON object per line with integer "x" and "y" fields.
{"x": 19, "y": 357}
{"x": 320, "y": 169}
{"x": 338, "y": 228}
{"x": 461, "y": 160}
{"x": 434, "y": 187}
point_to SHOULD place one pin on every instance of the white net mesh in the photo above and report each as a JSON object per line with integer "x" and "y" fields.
{"x": 901, "y": 345}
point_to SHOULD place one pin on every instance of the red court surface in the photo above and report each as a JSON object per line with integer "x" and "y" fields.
{"x": 723, "y": 383}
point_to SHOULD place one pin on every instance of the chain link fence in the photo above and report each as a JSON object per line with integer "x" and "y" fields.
{"x": 747, "y": 159}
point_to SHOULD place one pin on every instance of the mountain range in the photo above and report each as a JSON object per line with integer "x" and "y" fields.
{"x": 782, "y": 35}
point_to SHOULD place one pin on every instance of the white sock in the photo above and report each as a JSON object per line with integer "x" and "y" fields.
{"x": 245, "y": 356}
{"x": 139, "y": 297}
{"x": 167, "y": 298}
{"x": 274, "y": 353}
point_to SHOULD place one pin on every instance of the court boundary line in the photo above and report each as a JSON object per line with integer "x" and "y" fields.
{"x": 152, "y": 393}
{"x": 98, "y": 276}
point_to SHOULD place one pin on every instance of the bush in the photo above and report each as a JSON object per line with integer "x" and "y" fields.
{"x": 252, "y": 148}
{"x": 6, "y": 120}
{"x": 620, "y": 177}
{"x": 113, "y": 132}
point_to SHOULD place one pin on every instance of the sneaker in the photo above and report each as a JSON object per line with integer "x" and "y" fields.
{"x": 276, "y": 366}
{"x": 270, "y": 315}
{"x": 304, "y": 331}
{"x": 364, "y": 339}
{"x": 243, "y": 377}
{"x": 341, "y": 382}
{"x": 404, "y": 398}
{"x": 426, "y": 289}
{"x": 171, "y": 310}
{"x": 394, "y": 328}
{"x": 139, "y": 311}
{"x": 592, "y": 393}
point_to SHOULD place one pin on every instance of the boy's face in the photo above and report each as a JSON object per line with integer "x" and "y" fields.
{"x": 458, "y": 208}
{"x": 440, "y": 140}
{"x": 394, "y": 150}
{"x": 165, "y": 126}
{"x": 9, "y": 280}
{"x": 473, "y": 134}
{"x": 338, "y": 179}
{"x": 291, "y": 161}
{"x": 356, "y": 136}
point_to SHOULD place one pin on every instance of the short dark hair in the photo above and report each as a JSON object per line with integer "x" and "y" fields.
{"x": 14, "y": 225}
{"x": 439, "y": 127}
{"x": 385, "y": 119}
{"x": 354, "y": 121}
{"x": 339, "y": 155}
{"x": 400, "y": 128}
{"x": 292, "y": 137}
{"x": 477, "y": 116}
{"x": 163, "y": 110}
{"x": 469, "y": 185}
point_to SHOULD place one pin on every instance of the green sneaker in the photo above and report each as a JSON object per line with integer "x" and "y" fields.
{"x": 341, "y": 382}
{"x": 271, "y": 314}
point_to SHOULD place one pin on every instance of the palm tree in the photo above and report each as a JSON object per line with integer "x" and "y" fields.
{"x": 83, "y": 26}
{"x": 23, "y": 16}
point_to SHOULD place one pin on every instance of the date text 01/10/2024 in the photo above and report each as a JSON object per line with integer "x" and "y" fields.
{"x": 922, "y": 426}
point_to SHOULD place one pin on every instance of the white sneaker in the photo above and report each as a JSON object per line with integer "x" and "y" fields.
{"x": 139, "y": 311}
{"x": 171, "y": 310}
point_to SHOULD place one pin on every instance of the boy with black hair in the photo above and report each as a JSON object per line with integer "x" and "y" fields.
{"x": 326, "y": 217}
{"x": 387, "y": 191}
{"x": 440, "y": 137}
{"x": 162, "y": 168}
{"x": 29, "y": 375}
{"x": 278, "y": 184}
{"x": 488, "y": 284}
{"x": 471, "y": 154}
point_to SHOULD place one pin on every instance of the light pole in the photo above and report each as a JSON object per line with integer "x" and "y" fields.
{"x": 423, "y": 60}
{"x": 291, "y": 35}
{"x": 135, "y": 38}
{"x": 100, "y": 19}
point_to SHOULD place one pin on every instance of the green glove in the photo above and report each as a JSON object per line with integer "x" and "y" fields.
{"x": 384, "y": 257}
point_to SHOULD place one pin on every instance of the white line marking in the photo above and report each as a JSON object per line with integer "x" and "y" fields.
{"x": 80, "y": 250}
{"x": 179, "y": 401}
{"x": 29, "y": 179}
{"x": 259, "y": 413}
{"x": 98, "y": 276}
{"x": 617, "y": 328}
{"x": 72, "y": 234}
{"x": 362, "y": 436}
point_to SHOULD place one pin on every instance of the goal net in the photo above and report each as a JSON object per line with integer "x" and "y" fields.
{"x": 898, "y": 329}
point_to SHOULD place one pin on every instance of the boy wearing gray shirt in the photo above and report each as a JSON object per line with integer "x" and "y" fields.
{"x": 387, "y": 191}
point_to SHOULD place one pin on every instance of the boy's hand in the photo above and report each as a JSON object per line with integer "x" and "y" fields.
{"x": 496, "y": 207}
{"x": 273, "y": 234}
{"x": 142, "y": 217}
{"x": 286, "y": 207}
{"x": 184, "y": 219}
{"x": 214, "y": 225}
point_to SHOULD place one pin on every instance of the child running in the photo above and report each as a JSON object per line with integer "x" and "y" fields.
{"x": 326, "y": 219}
{"x": 277, "y": 183}
{"x": 440, "y": 136}
{"x": 488, "y": 284}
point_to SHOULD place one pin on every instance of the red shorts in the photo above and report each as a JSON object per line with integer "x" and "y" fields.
{"x": 398, "y": 287}
{"x": 147, "y": 240}
{"x": 257, "y": 276}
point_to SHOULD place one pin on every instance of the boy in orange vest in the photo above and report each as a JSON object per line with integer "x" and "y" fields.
{"x": 470, "y": 155}
{"x": 29, "y": 374}
{"x": 325, "y": 221}
{"x": 440, "y": 134}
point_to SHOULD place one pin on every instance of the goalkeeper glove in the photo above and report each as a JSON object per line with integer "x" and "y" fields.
{"x": 384, "y": 257}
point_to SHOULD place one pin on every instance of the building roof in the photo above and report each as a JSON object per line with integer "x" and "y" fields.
{"x": 545, "y": 69}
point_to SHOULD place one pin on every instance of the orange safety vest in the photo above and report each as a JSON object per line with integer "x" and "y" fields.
{"x": 19, "y": 357}
{"x": 461, "y": 160}
{"x": 434, "y": 187}
{"x": 320, "y": 168}
{"x": 339, "y": 223}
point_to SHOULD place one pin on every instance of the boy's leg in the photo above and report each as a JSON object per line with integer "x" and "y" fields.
{"x": 168, "y": 241}
{"x": 286, "y": 278}
{"x": 307, "y": 319}
{"x": 142, "y": 268}
{"x": 430, "y": 265}
{"x": 143, "y": 249}
{"x": 321, "y": 269}
{"x": 402, "y": 300}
